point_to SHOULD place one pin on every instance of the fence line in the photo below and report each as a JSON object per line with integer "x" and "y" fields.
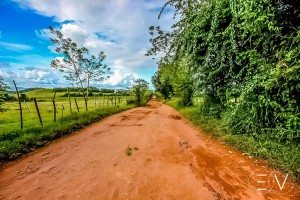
{"x": 45, "y": 106}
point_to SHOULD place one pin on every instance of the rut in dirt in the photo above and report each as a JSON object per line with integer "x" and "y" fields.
{"x": 150, "y": 152}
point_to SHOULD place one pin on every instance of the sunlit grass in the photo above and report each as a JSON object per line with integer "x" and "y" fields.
{"x": 282, "y": 155}
{"x": 10, "y": 119}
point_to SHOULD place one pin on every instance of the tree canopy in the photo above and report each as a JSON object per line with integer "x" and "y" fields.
{"x": 78, "y": 64}
{"x": 241, "y": 56}
{"x": 139, "y": 89}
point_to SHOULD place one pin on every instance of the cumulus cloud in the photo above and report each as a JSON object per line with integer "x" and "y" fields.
{"x": 122, "y": 23}
{"x": 117, "y": 77}
{"x": 29, "y": 76}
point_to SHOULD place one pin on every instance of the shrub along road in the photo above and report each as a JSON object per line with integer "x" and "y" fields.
{"x": 149, "y": 152}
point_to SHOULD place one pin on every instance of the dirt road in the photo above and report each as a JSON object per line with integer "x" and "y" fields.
{"x": 170, "y": 159}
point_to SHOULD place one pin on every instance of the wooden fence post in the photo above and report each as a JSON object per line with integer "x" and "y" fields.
{"x": 38, "y": 111}
{"x": 115, "y": 100}
{"x": 54, "y": 107}
{"x": 62, "y": 110}
{"x": 76, "y": 104}
{"x": 69, "y": 100}
{"x": 20, "y": 106}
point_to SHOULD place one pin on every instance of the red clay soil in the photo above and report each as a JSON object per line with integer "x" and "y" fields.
{"x": 170, "y": 160}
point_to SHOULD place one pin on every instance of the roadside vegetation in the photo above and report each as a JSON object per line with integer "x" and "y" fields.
{"x": 141, "y": 92}
{"x": 232, "y": 67}
{"x": 3, "y": 93}
{"x": 15, "y": 142}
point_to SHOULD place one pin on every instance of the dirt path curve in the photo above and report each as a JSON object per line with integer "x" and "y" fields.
{"x": 170, "y": 160}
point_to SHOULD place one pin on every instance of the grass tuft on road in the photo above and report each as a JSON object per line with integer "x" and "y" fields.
{"x": 128, "y": 151}
{"x": 282, "y": 155}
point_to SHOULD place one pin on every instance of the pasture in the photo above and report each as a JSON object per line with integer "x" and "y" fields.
{"x": 10, "y": 119}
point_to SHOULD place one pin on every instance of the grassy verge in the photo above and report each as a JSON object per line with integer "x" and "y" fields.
{"x": 284, "y": 156}
{"x": 10, "y": 119}
{"x": 14, "y": 143}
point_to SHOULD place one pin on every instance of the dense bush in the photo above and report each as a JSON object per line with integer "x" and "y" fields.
{"x": 243, "y": 56}
{"x": 139, "y": 90}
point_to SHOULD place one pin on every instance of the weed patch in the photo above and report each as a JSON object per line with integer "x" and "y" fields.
{"x": 128, "y": 151}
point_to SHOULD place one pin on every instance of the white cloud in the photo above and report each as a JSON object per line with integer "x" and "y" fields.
{"x": 117, "y": 27}
{"x": 36, "y": 75}
{"x": 43, "y": 34}
{"x": 116, "y": 77}
{"x": 125, "y": 22}
{"x": 43, "y": 76}
{"x": 15, "y": 46}
{"x": 75, "y": 32}
{"x": 27, "y": 77}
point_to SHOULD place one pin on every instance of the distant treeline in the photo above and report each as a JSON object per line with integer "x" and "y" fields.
{"x": 73, "y": 92}
{"x": 77, "y": 92}
{"x": 91, "y": 89}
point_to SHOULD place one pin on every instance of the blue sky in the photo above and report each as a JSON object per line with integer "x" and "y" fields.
{"x": 118, "y": 27}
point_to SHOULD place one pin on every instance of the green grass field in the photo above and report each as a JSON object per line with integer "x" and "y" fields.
{"x": 15, "y": 142}
{"x": 10, "y": 119}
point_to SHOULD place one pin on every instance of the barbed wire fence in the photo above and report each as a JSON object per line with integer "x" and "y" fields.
{"x": 58, "y": 104}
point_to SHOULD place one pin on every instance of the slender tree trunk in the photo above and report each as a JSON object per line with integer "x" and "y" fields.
{"x": 87, "y": 94}
{"x": 76, "y": 104}
{"x": 87, "y": 90}
{"x": 85, "y": 99}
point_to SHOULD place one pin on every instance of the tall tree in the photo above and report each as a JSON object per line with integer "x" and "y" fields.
{"x": 79, "y": 65}
{"x": 93, "y": 69}
{"x": 139, "y": 88}
{"x": 162, "y": 81}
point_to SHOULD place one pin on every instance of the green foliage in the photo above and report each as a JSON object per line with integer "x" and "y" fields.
{"x": 139, "y": 89}
{"x": 242, "y": 56}
{"x": 161, "y": 80}
{"x": 158, "y": 96}
{"x": 3, "y": 93}
{"x": 80, "y": 67}
{"x": 148, "y": 95}
{"x": 183, "y": 86}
